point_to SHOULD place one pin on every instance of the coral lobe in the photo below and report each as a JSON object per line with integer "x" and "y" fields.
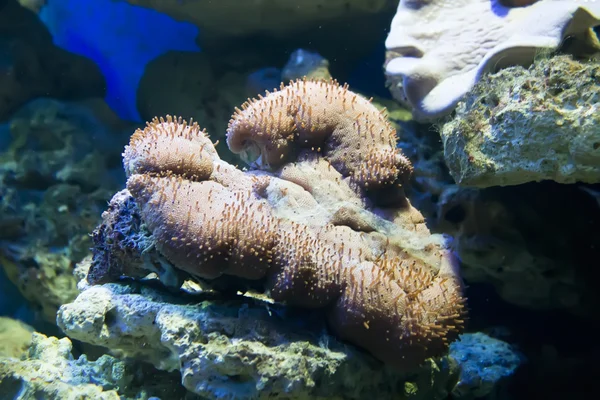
{"x": 351, "y": 132}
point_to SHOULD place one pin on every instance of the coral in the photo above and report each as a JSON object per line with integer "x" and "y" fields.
{"x": 419, "y": 144}
{"x": 353, "y": 135}
{"x": 122, "y": 247}
{"x": 437, "y": 51}
{"x": 521, "y": 125}
{"x": 241, "y": 348}
{"x": 386, "y": 284}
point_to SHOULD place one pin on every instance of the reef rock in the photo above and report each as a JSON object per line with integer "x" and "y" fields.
{"x": 486, "y": 363}
{"x": 241, "y": 348}
{"x": 193, "y": 84}
{"x": 40, "y": 367}
{"x": 513, "y": 239}
{"x": 521, "y": 125}
{"x": 50, "y": 372}
{"x": 32, "y": 66}
{"x": 236, "y": 18}
{"x": 247, "y": 347}
{"x": 437, "y": 50}
{"x": 58, "y": 169}
{"x": 15, "y": 337}
{"x": 303, "y": 63}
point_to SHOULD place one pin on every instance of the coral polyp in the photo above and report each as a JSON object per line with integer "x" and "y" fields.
{"x": 387, "y": 286}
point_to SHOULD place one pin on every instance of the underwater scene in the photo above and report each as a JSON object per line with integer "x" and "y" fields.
{"x": 299, "y": 199}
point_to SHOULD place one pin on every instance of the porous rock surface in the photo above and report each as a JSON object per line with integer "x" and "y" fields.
{"x": 15, "y": 337}
{"x": 512, "y": 238}
{"x": 32, "y": 66}
{"x": 49, "y": 371}
{"x": 240, "y": 349}
{"x": 59, "y": 166}
{"x": 521, "y": 125}
{"x": 486, "y": 363}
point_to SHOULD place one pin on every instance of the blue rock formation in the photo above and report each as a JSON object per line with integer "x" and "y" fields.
{"x": 485, "y": 362}
{"x": 120, "y": 38}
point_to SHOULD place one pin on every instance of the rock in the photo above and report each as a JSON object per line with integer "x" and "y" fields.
{"x": 59, "y": 167}
{"x": 245, "y": 347}
{"x": 191, "y": 84}
{"x": 15, "y": 337}
{"x": 50, "y": 372}
{"x": 240, "y": 348}
{"x": 47, "y": 369}
{"x": 521, "y": 125}
{"x": 278, "y": 17}
{"x": 303, "y": 63}
{"x": 486, "y": 364}
{"x": 528, "y": 242}
{"x": 32, "y": 66}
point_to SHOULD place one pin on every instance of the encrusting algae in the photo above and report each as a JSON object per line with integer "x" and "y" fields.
{"x": 211, "y": 219}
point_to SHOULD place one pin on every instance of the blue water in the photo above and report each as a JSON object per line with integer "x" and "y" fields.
{"x": 120, "y": 38}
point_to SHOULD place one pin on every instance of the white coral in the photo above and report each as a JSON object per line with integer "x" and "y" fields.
{"x": 442, "y": 47}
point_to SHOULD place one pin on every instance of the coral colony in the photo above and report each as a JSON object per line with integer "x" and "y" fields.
{"x": 211, "y": 219}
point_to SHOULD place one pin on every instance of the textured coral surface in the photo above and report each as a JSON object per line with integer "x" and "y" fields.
{"x": 385, "y": 283}
{"x": 354, "y": 135}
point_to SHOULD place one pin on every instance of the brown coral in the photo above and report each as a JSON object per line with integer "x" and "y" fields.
{"x": 401, "y": 302}
{"x": 352, "y": 133}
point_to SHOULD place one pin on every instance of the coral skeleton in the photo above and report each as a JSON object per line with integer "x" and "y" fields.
{"x": 307, "y": 226}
